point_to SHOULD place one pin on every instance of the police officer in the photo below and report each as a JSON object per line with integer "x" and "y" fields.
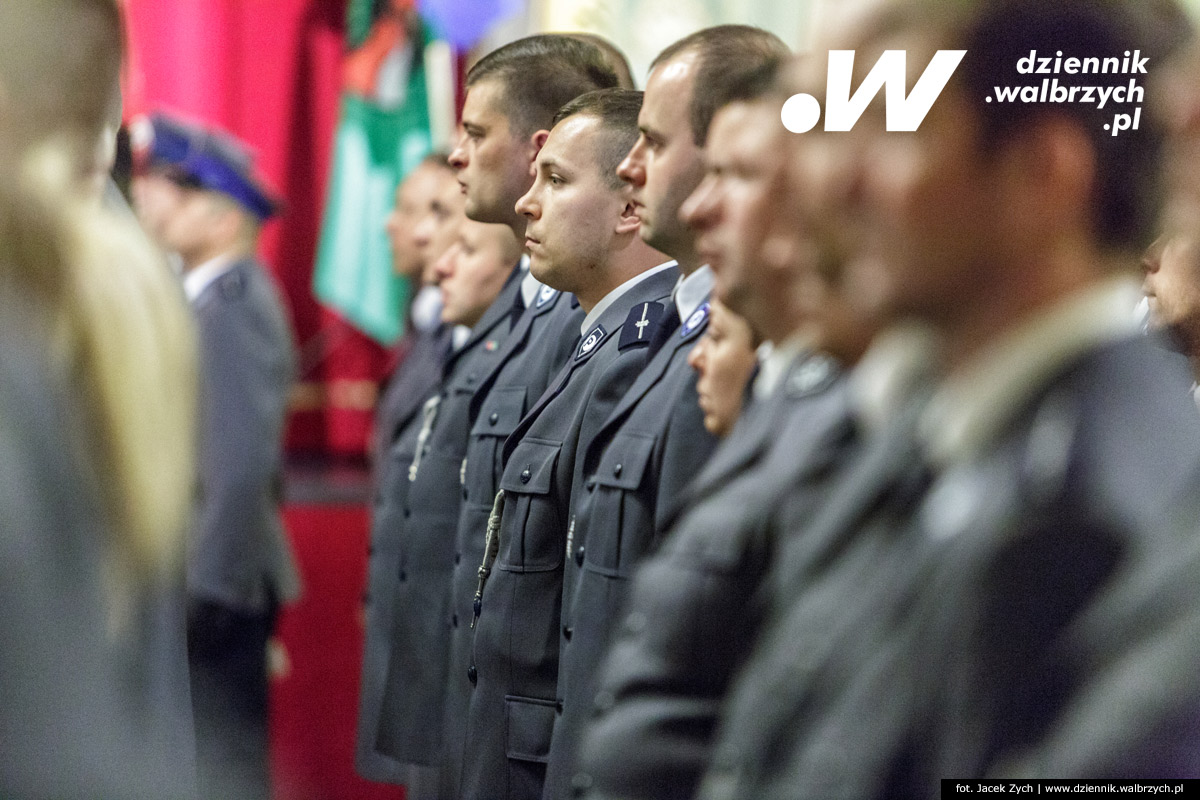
{"x": 240, "y": 565}
{"x": 583, "y": 238}
{"x": 696, "y": 605}
{"x": 492, "y": 162}
{"x": 422, "y": 350}
{"x": 654, "y": 440}
{"x": 512, "y": 95}
{"x": 421, "y": 228}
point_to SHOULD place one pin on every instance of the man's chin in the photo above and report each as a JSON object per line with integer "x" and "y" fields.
{"x": 1169, "y": 337}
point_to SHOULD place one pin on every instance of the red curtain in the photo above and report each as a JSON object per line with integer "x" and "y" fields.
{"x": 269, "y": 72}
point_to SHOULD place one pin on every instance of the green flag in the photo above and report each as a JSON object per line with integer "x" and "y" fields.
{"x": 383, "y": 132}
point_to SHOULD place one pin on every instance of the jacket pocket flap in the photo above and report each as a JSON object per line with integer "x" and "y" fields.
{"x": 530, "y": 469}
{"x": 501, "y": 412}
{"x": 625, "y": 460}
{"x": 530, "y": 724}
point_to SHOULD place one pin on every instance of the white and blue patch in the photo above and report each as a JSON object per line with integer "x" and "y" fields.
{"x": 695, "y": 320}
{"x": 590, "y": 341}
{"x": 815, "y": 373}
{"x": 546, "y": 294}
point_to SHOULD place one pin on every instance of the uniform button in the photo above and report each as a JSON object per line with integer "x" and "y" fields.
{"x": 579, "y": 556}
{"x": 464, "y": 493}
{"x": 407, "y": 513}
{"x": 457, "y": 557}
{"x": 454, "y": 620}
{"x": 567, "y": 631}
{"x": 616, "y": 470}
{"x": 604, "y": 701}
{"x": 403, "y": 575}
{"x": 636, "y": 622}
{"x": 580, "y": 783}
{"x": 591, "y": 484}
{"x": 526, "y": 475}
{"x": 494, "y": 418}
{"x": 472, "y": 674}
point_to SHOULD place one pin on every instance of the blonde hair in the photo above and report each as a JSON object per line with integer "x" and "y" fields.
{"x": 119, "y": 334}
{"x": 116, "y": 328}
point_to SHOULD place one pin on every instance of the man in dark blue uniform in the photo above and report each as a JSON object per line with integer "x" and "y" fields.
{"x": 425, "y": 348}
{"x": 583, "y": 237}
{"x": 654, "y": 440}
{"x": 696, "y": 605}
{"x": 501, "y": 122}
{"x": 512, "y": 95}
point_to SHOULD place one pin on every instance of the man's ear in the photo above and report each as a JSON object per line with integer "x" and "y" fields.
{"x": 629, "y": 221}
{"x": 1050, "y": 171}
{"x": 536, "y": 142}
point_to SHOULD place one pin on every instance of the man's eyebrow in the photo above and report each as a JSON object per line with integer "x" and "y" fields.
{"x": 550, "y": 163}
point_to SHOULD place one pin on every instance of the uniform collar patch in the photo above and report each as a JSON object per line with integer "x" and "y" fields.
{"x": 545, "y": 295}
{"x": 591, "y": 341}
{"x": 641, "y": 325}
{"x": 814, "y": 374}
{"x": 695, "y": 320}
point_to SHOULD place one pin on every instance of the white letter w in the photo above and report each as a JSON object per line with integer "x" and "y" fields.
{"x": 842, "y": 110}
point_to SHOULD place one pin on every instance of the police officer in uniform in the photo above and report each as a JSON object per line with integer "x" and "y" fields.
{"x": 240, "y": 566}
{"x": 421, "y": 502}
{"x": 512, "y": 95}
{"x": 654, "y": 440}
{"x": 583, "y": 237}
{"x": 696, "y": 605}
{"x": 415, "y": 230}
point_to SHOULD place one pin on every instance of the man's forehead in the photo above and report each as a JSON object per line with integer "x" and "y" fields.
{"x": 484, "y": 102}
{"x": 668, "y": 93}
{"x": 569, "y": 140}
{"x": 744, "y": 126}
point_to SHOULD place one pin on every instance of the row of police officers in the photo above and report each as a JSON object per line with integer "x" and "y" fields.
{"x": 952, "y": 533}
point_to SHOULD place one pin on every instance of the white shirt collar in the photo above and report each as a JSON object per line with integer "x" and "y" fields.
{"x": 197, "y": 279}
{"x": 692, "y": 290}
{"x": 530, "y": 286}
{"x": 899, "y": 360}
{"x": 426, "y": 310}
{"x": 459, "y": 336}
{"x": 589, "y": 321}
{"x": 775, "y": 363}
{"x": 973, "y": 404}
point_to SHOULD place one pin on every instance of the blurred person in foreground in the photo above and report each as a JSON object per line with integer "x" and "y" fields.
{"x": 240, "y": 565}
{"x": 991, "y": 588}
{"x": 100, "y": 491}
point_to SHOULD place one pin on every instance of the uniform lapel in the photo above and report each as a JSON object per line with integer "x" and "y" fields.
{"x": 651, "y": 375}
{"x": 517, "y": 340}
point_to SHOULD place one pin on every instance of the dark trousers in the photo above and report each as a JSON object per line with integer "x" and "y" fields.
{"x": 227, "y": 658}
